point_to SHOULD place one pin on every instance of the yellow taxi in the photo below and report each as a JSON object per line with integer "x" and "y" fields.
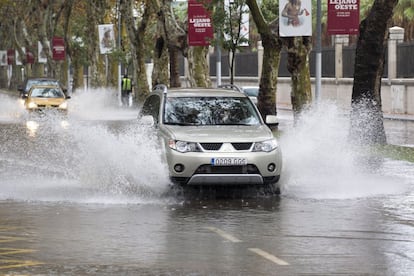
{"x": 46, "y": 97}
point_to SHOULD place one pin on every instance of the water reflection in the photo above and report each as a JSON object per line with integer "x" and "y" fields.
{"x": 32, "y": 127}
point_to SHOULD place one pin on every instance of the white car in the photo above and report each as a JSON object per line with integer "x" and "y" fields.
{"x": 252, "y": 92}
{"x": 214, "y": 137}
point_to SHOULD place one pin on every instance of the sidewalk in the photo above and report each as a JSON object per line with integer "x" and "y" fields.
{"x": 9, "y": 92}
{"x": 389, "y": 116}
{"x": 401, "y": 117}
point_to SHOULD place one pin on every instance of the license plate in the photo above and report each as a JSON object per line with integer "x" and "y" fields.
{"x": 229, "y": 161}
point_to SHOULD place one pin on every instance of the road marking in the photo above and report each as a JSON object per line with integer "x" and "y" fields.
{"x": 268, "y": 256}
{"x": 7, "y": 264}
{"x": 223, "y": 234}
{"x": 10, "y": 251}
{"x": 8, "y": 228}
{"x": 258, "y": 251}
{"x": 10, "y": 239}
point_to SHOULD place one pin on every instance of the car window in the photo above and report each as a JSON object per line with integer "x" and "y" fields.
{"x": 210, "y": 111}
{"x": 42, "y": 92}
{"x": 32, "y": 82}
{"x": 252, "y": 92}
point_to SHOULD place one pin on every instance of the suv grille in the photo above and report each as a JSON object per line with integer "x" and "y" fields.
{"x": 211, "y": 146}
{"x": 217, "y": 146}
{"x": 242, "y": 146}
{"x": 208, "y": 169}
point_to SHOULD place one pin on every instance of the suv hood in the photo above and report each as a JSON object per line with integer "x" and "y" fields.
{"x": 212, "y": 134}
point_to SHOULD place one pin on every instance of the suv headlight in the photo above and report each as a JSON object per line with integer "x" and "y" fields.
{"x": 183, "y": 146}
{"x": 266, "y": 146}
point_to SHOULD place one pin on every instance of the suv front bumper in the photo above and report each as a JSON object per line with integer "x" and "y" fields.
{"x": 196, "y": 168}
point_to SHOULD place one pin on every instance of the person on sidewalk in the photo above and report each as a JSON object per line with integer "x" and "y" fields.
{"x": 126, "y": 90}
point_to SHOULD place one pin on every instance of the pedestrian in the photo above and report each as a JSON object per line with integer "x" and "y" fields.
{"x": 126, "y": 90}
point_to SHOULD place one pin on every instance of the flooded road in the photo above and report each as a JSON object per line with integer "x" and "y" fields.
{"x": 89, "y": 195}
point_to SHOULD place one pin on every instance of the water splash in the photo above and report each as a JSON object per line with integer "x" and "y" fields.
{"x": 11, "y": 108}
{"x": 319, "y": 161}
{"x": 99, "y": 104}
{"x": 84, "y": 158}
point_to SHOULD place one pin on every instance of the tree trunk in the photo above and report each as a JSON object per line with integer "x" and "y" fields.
{"x": 96, "y": 12}
{"x": 78, "y": 81}
{"x": 298, "y": 49}
{"x": 271, "y": 59}
{"x": 175, "y": 39}
{"x": 266, "y": 101}
{"x": 367, "y": 126}
{"x": 160, "y": 73}
{"x": 174, "y": 67}
{"x": 136, "y": 38}
{"x": 198, "y": 67}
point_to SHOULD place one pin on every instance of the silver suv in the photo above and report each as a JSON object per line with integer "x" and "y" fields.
{"x": 214, "y": 137}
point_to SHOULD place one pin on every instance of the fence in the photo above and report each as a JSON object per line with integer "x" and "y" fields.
{"x": 247, "y": 63}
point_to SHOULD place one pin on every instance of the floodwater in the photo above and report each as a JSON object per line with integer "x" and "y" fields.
{"x": 89, "y": 195}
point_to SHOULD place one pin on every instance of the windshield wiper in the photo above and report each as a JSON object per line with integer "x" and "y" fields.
{"x": 182, "y": 124}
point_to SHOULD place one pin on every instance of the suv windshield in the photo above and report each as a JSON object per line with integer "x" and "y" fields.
{"x": 210, "y": 111}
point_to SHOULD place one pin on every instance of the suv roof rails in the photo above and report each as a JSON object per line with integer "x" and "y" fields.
{"x": 231, "y": 86}
{"x": 161, "y": 87}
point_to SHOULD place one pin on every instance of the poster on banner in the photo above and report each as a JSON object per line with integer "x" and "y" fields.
{"x": 106, "y": 38}
{"x": 10, "y": 56}
{"x": 3, "y": 58}
{"x": 343, "y": 17}
{"x": 200, "y": 27}
{"x": 295, "y": 18}
{"x": 29, "y": 57}
{"x": 58, "y": 48}
{"x": 41, "y": 55}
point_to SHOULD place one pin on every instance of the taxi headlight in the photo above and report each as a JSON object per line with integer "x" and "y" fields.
{"x": 63, "y": 105}
{"x": 31, "y": 105}
{"x": 266, "y": 146}
{"x": 183, "y": 146}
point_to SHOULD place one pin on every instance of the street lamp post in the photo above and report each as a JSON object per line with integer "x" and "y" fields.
{"x": 119, "y": 47}
{"x": 318, "y": 51}
{"x": 218, "y": 60}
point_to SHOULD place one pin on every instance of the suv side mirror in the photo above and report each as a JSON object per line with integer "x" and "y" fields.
{"x": 147, "y": 120}
{"x": 272, "y": 120}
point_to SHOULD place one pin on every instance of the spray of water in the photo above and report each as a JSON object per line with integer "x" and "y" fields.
{"x": 10, "y": 108}
{"x": 320, "y": 162}
{"x": 99, "y": 104}
{"x": 84, "y": 158}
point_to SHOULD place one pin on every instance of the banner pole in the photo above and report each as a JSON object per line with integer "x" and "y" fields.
{"x": 318, "y": 51}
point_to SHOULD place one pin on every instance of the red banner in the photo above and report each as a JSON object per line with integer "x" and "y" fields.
{"x": 200, "y": 26}
{"x": 10, "y": 56}
{"x": 29, "y": 57}
{"x": 58, "y": 48}
{"x": 343, "y": 17}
